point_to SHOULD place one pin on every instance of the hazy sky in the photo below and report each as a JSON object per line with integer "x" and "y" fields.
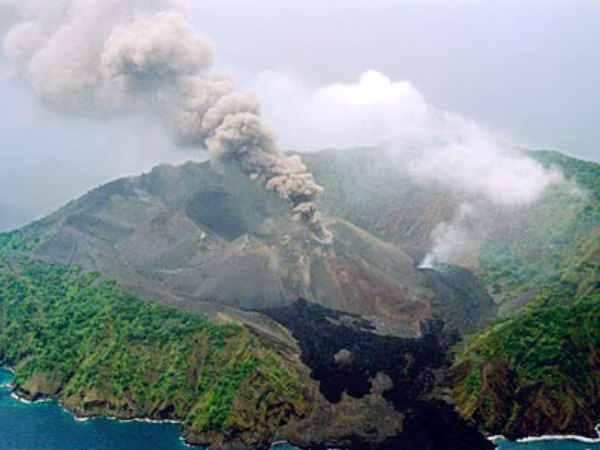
{"x": 527, "y": 69}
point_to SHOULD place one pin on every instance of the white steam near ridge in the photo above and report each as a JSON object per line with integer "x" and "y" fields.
{"x": 428, "y": 144}
{"x": 452, "y": 150}
{"x": 457, "y": 241}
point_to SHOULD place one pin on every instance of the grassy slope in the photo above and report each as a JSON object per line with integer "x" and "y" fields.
{"x": 536, "y": 371}
{"x": 100, "y": 350}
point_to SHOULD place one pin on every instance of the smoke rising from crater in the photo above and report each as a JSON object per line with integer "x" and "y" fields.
{"x": 105, "y": 56}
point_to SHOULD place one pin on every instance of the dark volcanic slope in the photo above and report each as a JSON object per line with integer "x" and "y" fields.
{"x": 462, "y": 300}
{"x": 384, "y": 391}
{"x": 197, "y": 237}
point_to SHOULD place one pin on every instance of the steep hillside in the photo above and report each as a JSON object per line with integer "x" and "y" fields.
{"x": 533, "y": 372}
{"x": 552, "y": 246}
{"x": 524, "y": 249}
{"x": 101, "y": 351}
{"x": 81, "y": 339}
{"x": 536, "y": 373}
{"x": 209, "y": 240}
{"x": 373, "y": 336}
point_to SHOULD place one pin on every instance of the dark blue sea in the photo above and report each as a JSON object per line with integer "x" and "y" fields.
{"x": 46, "y": 426}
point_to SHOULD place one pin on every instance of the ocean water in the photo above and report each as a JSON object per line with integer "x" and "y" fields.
{"x": 548, "y": 444}
{"x": 46, "y": 426}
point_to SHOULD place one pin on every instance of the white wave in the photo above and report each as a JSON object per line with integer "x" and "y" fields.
{"x": 80, "y": 418}
{"x": 497, "y": 437}
{"x": 553, "y": 437}
{"x": 560, "y": 437}
{"x": 29, "y": 402}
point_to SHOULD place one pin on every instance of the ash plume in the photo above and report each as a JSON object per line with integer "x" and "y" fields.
{"x": 104, "y": 56}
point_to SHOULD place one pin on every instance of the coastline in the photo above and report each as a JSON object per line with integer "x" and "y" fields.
{"x": 134, "y": 419}
{"x": 84, "y": 418}
{"x": 562, "y": 437}
{"x": 553, "y": 437}
{"x": 79, "y": 417}
{"x": 22, "y": 399}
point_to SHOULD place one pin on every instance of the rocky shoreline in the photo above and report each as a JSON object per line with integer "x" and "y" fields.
{"x": 83, "y": 415}
{"x": 25, "y": 397}
{"x": 356, "y": 402}
{"x": 494, "y": 439}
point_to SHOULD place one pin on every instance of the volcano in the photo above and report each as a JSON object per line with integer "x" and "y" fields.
{"x": 209, "y": 239}
{"x": 352, "y": 318}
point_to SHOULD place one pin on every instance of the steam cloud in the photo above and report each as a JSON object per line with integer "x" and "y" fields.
{"x": 432, "y": 145}
{"x": 102, "y": 56}
{"x": 429, "y": 145}
{"x": 458, "y": 241}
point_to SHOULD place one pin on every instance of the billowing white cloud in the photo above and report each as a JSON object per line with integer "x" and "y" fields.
{"x": 432, "y": 145}
{"x": 475, "y": 163}
{"x": 339, "y": 115}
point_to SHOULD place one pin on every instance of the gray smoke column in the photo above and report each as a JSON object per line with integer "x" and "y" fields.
{"x": 103, "y": 56}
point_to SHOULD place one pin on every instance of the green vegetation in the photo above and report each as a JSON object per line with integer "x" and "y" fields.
{"x": 550, "y": 245}
{"x": 100, "y": 350}
{"x": 536, "y": 368}
{"x": 546, "y": 345}
{"x": 539, "y": 366}
{"x": 80, "y": 338}
{"x": 553, "y": 250}
{"x": 585, "y": 173}
{"x": 15, "y": 241}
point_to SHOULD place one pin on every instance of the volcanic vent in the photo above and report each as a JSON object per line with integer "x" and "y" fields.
{"x": 198, "y": 237}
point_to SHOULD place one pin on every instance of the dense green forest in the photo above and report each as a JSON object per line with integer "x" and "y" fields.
{"x": 100, "y": 350}
{"x": 536, "y": 370}
{"x": 537, "y": 367}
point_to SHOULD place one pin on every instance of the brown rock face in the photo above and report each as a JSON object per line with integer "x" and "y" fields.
{"x": 351, "y": 423}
